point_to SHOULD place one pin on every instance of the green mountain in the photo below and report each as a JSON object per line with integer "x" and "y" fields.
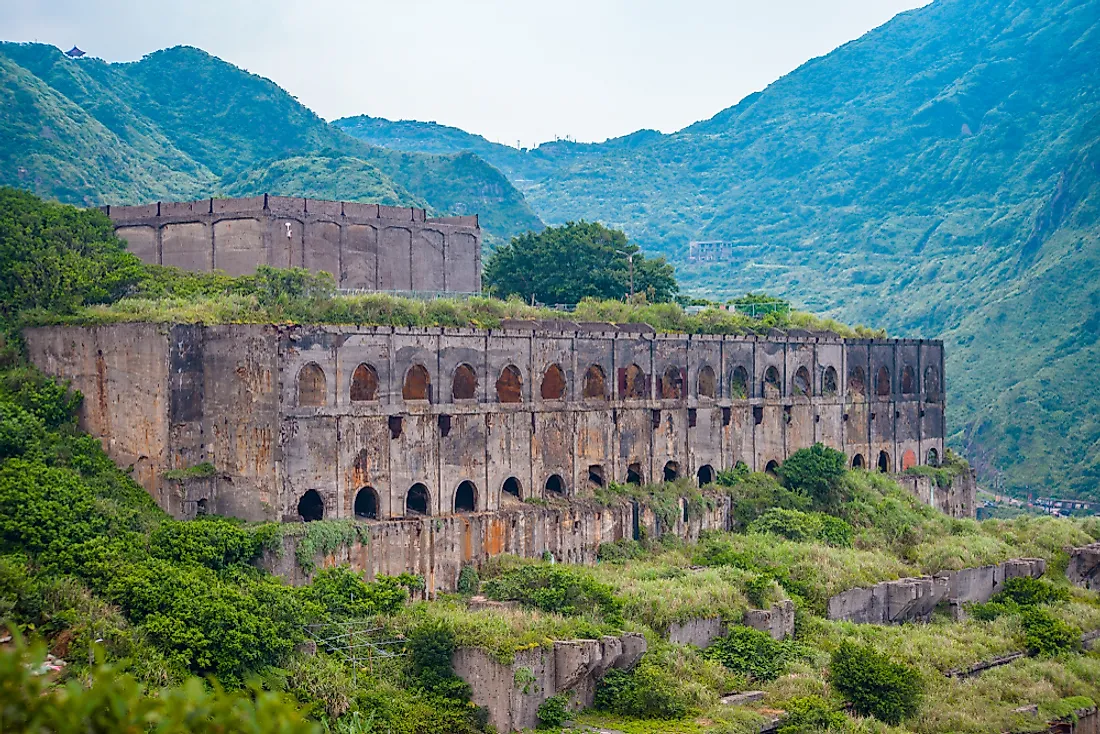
{"x": 936, "y": 176}
{"x": 183, "y": 124}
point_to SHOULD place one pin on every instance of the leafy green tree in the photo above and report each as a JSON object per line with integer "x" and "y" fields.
{"x": 575, "y": 261}
{"x": 57, "y": 257}
{"x": 874, "y": 684}
{"x": 817, "y": 471}
{"x": 750, "y": 652}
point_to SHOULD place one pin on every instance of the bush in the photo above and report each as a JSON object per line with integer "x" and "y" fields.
{"x": 212, "y": 542}
{"x": 559, "y": 589}
{"x": 624, "y": 549}
{"x": 431, "y": 646}
{"x": 749, "y": 652}
{"x": 1046, "y": 635}
{"x": 342, "y": 593}
{"x": 803, "y": 526}
{"x": 468, "y": 580}
{"x": 811, "y": 713}
{"x": 647, "y": 692}
{"x": 554, "y": 711}
{"x": 1029, "y": 592}
{"x": 875, "y": 685}
{"x": 754, "y": 494}
{"x": 815, "y": 471}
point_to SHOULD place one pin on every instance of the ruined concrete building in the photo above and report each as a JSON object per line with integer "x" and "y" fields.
{"x": 364, "y": 246}
{"x": 380, "y": 423}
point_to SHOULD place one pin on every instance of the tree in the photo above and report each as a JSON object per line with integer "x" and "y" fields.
{"x": 816, "y": 471}
{"x": 575, "y": 261}
{"x": 874, "y": 684}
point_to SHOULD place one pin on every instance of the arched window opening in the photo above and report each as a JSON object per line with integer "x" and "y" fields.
{"x": 771, "y": 386}
{"x": 364, "y": 384}
{"x": 672, "y": 471}
{"x": 908, "y": 459}
{"x": 201, "y": 507}
{"x": 555, "y": 485}
{"x": 311, "y": 507}
{"x": 553, "y": 383}
{"x": 464, "y": 385}
{"x": 882, "y": 382}
{"x": 801, "y": 385}
{"x": 511, "y": 487}
{"x": 706, "y": 475}
{"x": 933, "y": 457}
{"x": 311, "y": 386}
{"x": 772, "y": 468}
{"x": 417, "y": 500}
{"x": 418, "y": 384}
{"x": 857, "y": 462}
{"x": 708, "y": 383}
{"x": 466, "y": 497}
{"x": 634, "y": 474}
{"x": 857, "y": 382}
{"x": 595, "y": 383}
{"x": 672, "y": 384}
{"x": 633, "y": 383}
{"x": 510, "y": 385}
{"x": 596, "y": 475}
{"x": 739, "y": 383}
{"x": 829, "y": 383}
{"x": 932, "y": 383}
{"x": 366, "y": 504}
{"x": 908, "y": 381}
{"x": 883, "y": 462}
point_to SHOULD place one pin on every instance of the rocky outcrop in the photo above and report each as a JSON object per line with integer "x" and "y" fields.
{"x": 1084, "y": 566}
{"x": 512, "y": 693}
{"x": 914, "y": 599}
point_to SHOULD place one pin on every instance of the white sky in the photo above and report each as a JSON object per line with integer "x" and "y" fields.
{"x": 510, "y": 70}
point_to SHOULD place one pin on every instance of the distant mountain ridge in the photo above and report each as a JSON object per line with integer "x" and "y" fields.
{"x": 935, "y": 176}
{"x": 182, "y": 124}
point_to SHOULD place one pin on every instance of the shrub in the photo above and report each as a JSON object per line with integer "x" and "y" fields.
{"x": 803, "y": 526}
{"x": 624, "y": 549}
{"x": 560, "y": 589}
{"x": 816, "y": 471}
{"x": 811, "y": 713}
{"x": 554, "y": 711}
{"x": 649, "y": 692}
{"x": 749, "y": 652}
{"x": 1029, "y": 592}
{"x": 468, "y": 580}
{"x": 835, "y": 531}
{"x": 754, "y": 494}
{"x": 431, "y": 646}
{"x": 342, "y": 593}
{"x": 212, "y": 542}
{"x": 1046, "y": 635}
{"x": 875, "y": 685}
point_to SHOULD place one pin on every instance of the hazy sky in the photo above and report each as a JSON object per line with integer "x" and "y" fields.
{"x": 508, "y": 69}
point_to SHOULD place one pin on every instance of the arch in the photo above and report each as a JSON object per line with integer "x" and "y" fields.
{"x": 708, "y": 383}
{"x": 510, "y": 385}
{"x": 802, "y": 384}
{"x": 858, "y": 462}
{"x": 672, "y": 471}
{"x": 201, "y": 507}
{"x": 883, "y": 462}
{"x": 366, "y": 504}
{"x": 908, "y": 459}
{"x": 555, "y": 485}
{"x": 311, "y": 386}
{"x": 882, "y": 382}
{"x": 772, "y": 468}
{"x": 857, "y": 382}
{"x": 739, "y": 383}
{"x": 634, "y": 474}
{"x": 634, "y": 384}
{"x": 829, "y": 382}
{"x": 595, "y": 383}
{"x": 553, "y": 383}
{"x": 705, "y": 475}
{"x": 908, "y": 381}
{"x": 466, "y": 497}
{"x": 418, "y": 501}
{"x": 672, "y": 383}
{"x": 418, "y": 384}
{"x": 364, "y": 384}
{"x": 932, "y": 383}
{"x": 596, "y": 476}
{"x": 464, "y": 384}
{"x": 771, "y": 387}
{"x": 311, "y": 507}
{"x": 933, "y": 457}
{"x": 512, "y": 487}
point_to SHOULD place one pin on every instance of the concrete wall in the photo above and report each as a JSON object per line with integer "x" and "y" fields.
{"x": 363, "y": 246}
{"x": 1084, "y": 566}
{"x": 271, "y": 408}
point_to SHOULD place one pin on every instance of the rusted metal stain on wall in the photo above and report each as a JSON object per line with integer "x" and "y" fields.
{"x": 467, "y": 544}
{"x": 495, "y": 535}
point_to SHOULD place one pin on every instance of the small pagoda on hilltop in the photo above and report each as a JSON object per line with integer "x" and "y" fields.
{"x": 75, "y": 53}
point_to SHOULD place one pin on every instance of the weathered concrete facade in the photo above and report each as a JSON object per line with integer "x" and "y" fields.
{"x": 1084, "y": 566}
{"x": 379, "y": 423}
{"x": 363, "y": 246}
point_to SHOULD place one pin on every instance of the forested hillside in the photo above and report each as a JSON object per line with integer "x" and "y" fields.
{"x": 182, "y": 124}
{"x": 936, "y": 176}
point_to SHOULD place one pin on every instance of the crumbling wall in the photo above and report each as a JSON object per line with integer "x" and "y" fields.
{"x": 512, "y": 693}
{"x": 777, "y": 621}
{"x": 1084, "y": 566}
